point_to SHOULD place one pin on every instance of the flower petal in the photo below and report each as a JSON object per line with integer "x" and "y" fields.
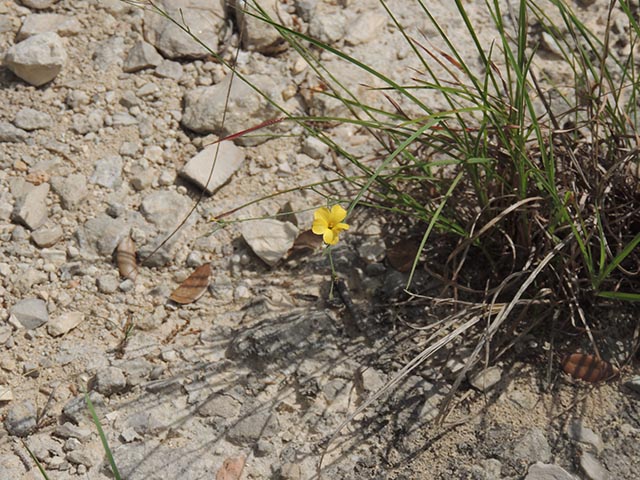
{"x": 339, "y": 227}
{"x": 329, "y": 237}
{"x": 319, "y": 226}
{"x": 337, "y": 214}
{"x": 322, "y": 213}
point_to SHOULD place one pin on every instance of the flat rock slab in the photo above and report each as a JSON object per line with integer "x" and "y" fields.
{"x": 198, "y": 169}
{"x": 31, "y": 313}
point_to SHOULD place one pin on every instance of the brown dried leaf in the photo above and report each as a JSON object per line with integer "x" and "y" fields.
{"x": 193, "y": 287}
{"x": 588, "y": 367}
{"x": 126, "y": 259}
{"x": 231, "y": 469}
{"x": 306, "y": 243}
{"x": 402, "y": 254}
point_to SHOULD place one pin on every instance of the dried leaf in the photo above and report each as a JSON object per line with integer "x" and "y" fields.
{"x": 306, "y": 243}
{"x": 126, "y": 259}
{"x": 402, "y": 254}
{"x": 231, "y": 469}
{"x": 193, "y": 287}
{"x": 588, "y": 367}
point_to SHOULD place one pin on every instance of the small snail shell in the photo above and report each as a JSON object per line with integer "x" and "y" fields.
{"x": 126, "y": 259}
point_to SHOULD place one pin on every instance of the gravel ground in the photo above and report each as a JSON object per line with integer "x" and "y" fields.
{"x": 106, "y": 112}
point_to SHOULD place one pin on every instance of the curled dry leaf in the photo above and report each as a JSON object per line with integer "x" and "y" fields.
{"x": 193, "y": 287}
{"x": 402, "y": 254}
{"x": 306, "y": 243}
{"x": 231, "y": 469}
{"x": 588, "y": 367}
{"x": 126, "y": 259}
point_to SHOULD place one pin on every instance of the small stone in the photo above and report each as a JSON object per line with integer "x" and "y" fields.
{"x": 123, "y": 119}
{"x": 108, "y": 284}
{"x": 633, "y": 384}
{"x": 92, "y": 122}
{"x": 169, "y": 69}
{"x": 579, "y": 433}
{"x": 228, "y": 161}
{"x": 9, "y": 133}
{"x": 543, "y": 471}
{"x": 47, "y": 235}
{"x": 532, "y": 446}
{"x": 257, "y": 34}
{"x": 366, "y": 28}
{"x": 372, "y": 250}
{"x": 64, "y": 323}
{"x": 165, "y": 209}
{"x": 6, "y": 394}
{"x": 290, "y": 471}
{"x": 38, "y": 59}
{"x": 21, "y": 419}
{"x": 592, "y": 468}
{"x": 109, "y": 53}
{"x": 248, "y": 430}
{"x": 107, "y": 172}
{"x": 76, "y": 408}
{"x": 31, "y": 313}
{"x": 72, "y": 190}
{"x": 109, "y": 380}
{"x": 486, "y": 379}
{"x": 69, "y": 430}
{"x": 205, "y": 19}
{"x": 142, "y": 55}
{"x": 38, "y": 4}
{"x": 31, "y": 119}
{"x": 141, "y": 177}
{"x": 48, "y": 22}
{"x": 269, "y": 239}
{"x": 78, "y": 457}
{"x": 30, "y": 208}
{"x": 315, "y": 148}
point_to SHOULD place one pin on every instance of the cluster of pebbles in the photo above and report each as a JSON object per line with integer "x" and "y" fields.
{"x": 108, "y": 114}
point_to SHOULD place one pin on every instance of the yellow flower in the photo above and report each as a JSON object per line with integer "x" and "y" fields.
{"x": 328, "y": 223}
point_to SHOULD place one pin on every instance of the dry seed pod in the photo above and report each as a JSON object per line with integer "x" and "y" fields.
{"x": 588, "y": 367}
{"x": 193, "y": 287}
{"x": 126, "y": 259}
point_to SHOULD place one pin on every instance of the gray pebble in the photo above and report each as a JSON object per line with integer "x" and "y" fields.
{"x": 107, "y": 172}
{"x": 579, "y": 433}
{"x": 198, "y": 169}
{"x": 64, "y": 323}
{"x": 69, "y": 430}
{"x": 169, "y": 69}
{"x": 31, "y": 313}
{"x": 10, "y": 133}
{"x": 542, "y": 471}
{"x": 592, "y": 468}
{"x": 21, "y": 419}
{"x": 30, "y": 208}
{"x": 262, "y": 424}
{"x": 38, "y": 4}
{"x": 48, "y": 22}
{"x": 47, "y": 235}
{"x": 31, "y": 119}
{"x": 486, "y": 379}
{"x": 76, "y": 409}
{"x": 72, "y": 190}
{"x": 142, "y": 55}
{"x": 107, "y": 283}
{"x": 38, "y": 59}
{"x": 109, "y": 380}
{"x": 109, "y": 53}
{"x": 315, "y": 148}
{"x": 79, "y": 457}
